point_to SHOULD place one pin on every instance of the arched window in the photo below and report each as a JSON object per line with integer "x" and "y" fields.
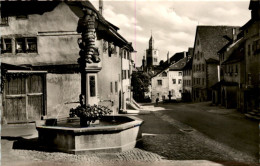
{"x": 164, "y": 74}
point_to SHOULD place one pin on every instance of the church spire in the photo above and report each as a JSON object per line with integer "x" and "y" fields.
{"x": 151, "y": 41}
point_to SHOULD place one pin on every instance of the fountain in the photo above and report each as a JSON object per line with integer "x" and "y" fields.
{"x": 76, "y": 135}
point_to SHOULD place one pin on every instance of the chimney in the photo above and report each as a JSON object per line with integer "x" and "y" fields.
{"x": 234, "y": 32}
{"x": 168, "y": 58}
{"x": 100, "y": 6}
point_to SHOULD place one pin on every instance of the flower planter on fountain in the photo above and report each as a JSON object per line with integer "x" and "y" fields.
{"x": 111, "y": 134}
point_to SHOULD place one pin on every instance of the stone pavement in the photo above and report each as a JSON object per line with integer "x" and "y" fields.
{"x": 163, "y": 144}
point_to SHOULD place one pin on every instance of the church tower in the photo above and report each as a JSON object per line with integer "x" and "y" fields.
{"x": 152, "y": 55}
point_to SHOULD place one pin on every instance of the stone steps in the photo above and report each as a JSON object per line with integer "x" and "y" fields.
{"x": 254, "y": 114}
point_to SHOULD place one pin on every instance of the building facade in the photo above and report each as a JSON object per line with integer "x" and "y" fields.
{"x": 205, "y": 64}
{"x": 187, "y": 78}
{"x": 168, "y": 84}
{"x": 42, "y": 37}
{"x": 252, "y": 57}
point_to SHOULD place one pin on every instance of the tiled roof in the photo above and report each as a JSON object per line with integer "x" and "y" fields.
{"x": 178, "y": 65}
{"x": 235, "y": 54}
{"x": 189, "y": 63}
{"x": 211, "y": 39}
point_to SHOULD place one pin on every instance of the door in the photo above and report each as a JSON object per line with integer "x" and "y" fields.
{"x": 15, "y": 99}
{"x": 24, "y": 98}
{"x": 34, "y": 97}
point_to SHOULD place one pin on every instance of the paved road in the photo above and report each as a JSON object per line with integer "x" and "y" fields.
{"x": 225, "y": 126}
{"x": 168, "y": 139}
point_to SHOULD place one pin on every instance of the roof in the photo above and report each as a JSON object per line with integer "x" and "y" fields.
{"x": 235, "y": 54}
{"x": 211, "y": 60}
{"x": 211, "y": 39}
{"x": 175, "y": 58}
{"x": 250, "y": 22}
{"x": 178, "y": 65}
{"x": 13, "y": 8}
{"x": 188, "y": 64}
{"x": 254, "y": 4}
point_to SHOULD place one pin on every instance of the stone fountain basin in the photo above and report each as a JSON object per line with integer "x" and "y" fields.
{"x": 111, "y": 137}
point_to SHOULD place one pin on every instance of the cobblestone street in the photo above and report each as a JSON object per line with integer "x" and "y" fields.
{"x": 165, "y": 141}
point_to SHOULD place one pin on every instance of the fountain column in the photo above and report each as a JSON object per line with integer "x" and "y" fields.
{"x": 89, "y": 54}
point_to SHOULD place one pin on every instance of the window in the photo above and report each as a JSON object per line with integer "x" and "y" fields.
{"x": 180, "y": 91}
{"x": 20, "y": 45}
{"x": 116, "y": 87}
{"x": 202, "y": 67}
{"x": 128, "y": 55}
{"x": 249, "y": 50}
{"x": 129, "y": 74}
{"x": 4, "y": 21}
{"x": 6, "y": 46}
{"x": 179, "y": 81}
{"x": 111, "y": 87}
{"x": 125, "y": 54}
{"x": 92, "y": 84}
{"x": 120, "y": 52}
{"x": 105, "y": 47}
{"x": 256, "y": 47}
{"x": 198, "y": 42}
{"x": 26, "y": 45}
{"x": 173, "y": 81}
{"x": 249, "y": 79}
{"x": 159, "y": 82}
{"x": 31, "y": 45}
{"x": 180, "y": 73}
{"x": 203, "y": 79}
{"x": 199, "y": 67}
{"x": 164, "y": 74}
{"x": 110, "y": 49}
{"x": 114, "y": 50}
{"x": 198, "y": 55}
{"x": 155, "y": 59}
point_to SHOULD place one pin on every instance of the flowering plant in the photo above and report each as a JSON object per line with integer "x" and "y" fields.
{"x": 89, "y": 113}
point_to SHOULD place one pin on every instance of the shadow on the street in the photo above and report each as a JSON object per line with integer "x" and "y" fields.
{"x": 234, "y": 163}
{"x": 26, "y": 144}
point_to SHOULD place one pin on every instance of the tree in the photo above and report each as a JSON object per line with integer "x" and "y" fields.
{"x": 140, "y": 83}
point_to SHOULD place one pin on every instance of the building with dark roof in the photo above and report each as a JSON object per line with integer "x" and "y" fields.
{"x": 208, "y": 41}
{"x": 168, "y": 83}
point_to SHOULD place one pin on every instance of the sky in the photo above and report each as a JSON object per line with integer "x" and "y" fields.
{"x": 172, "y": 23}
